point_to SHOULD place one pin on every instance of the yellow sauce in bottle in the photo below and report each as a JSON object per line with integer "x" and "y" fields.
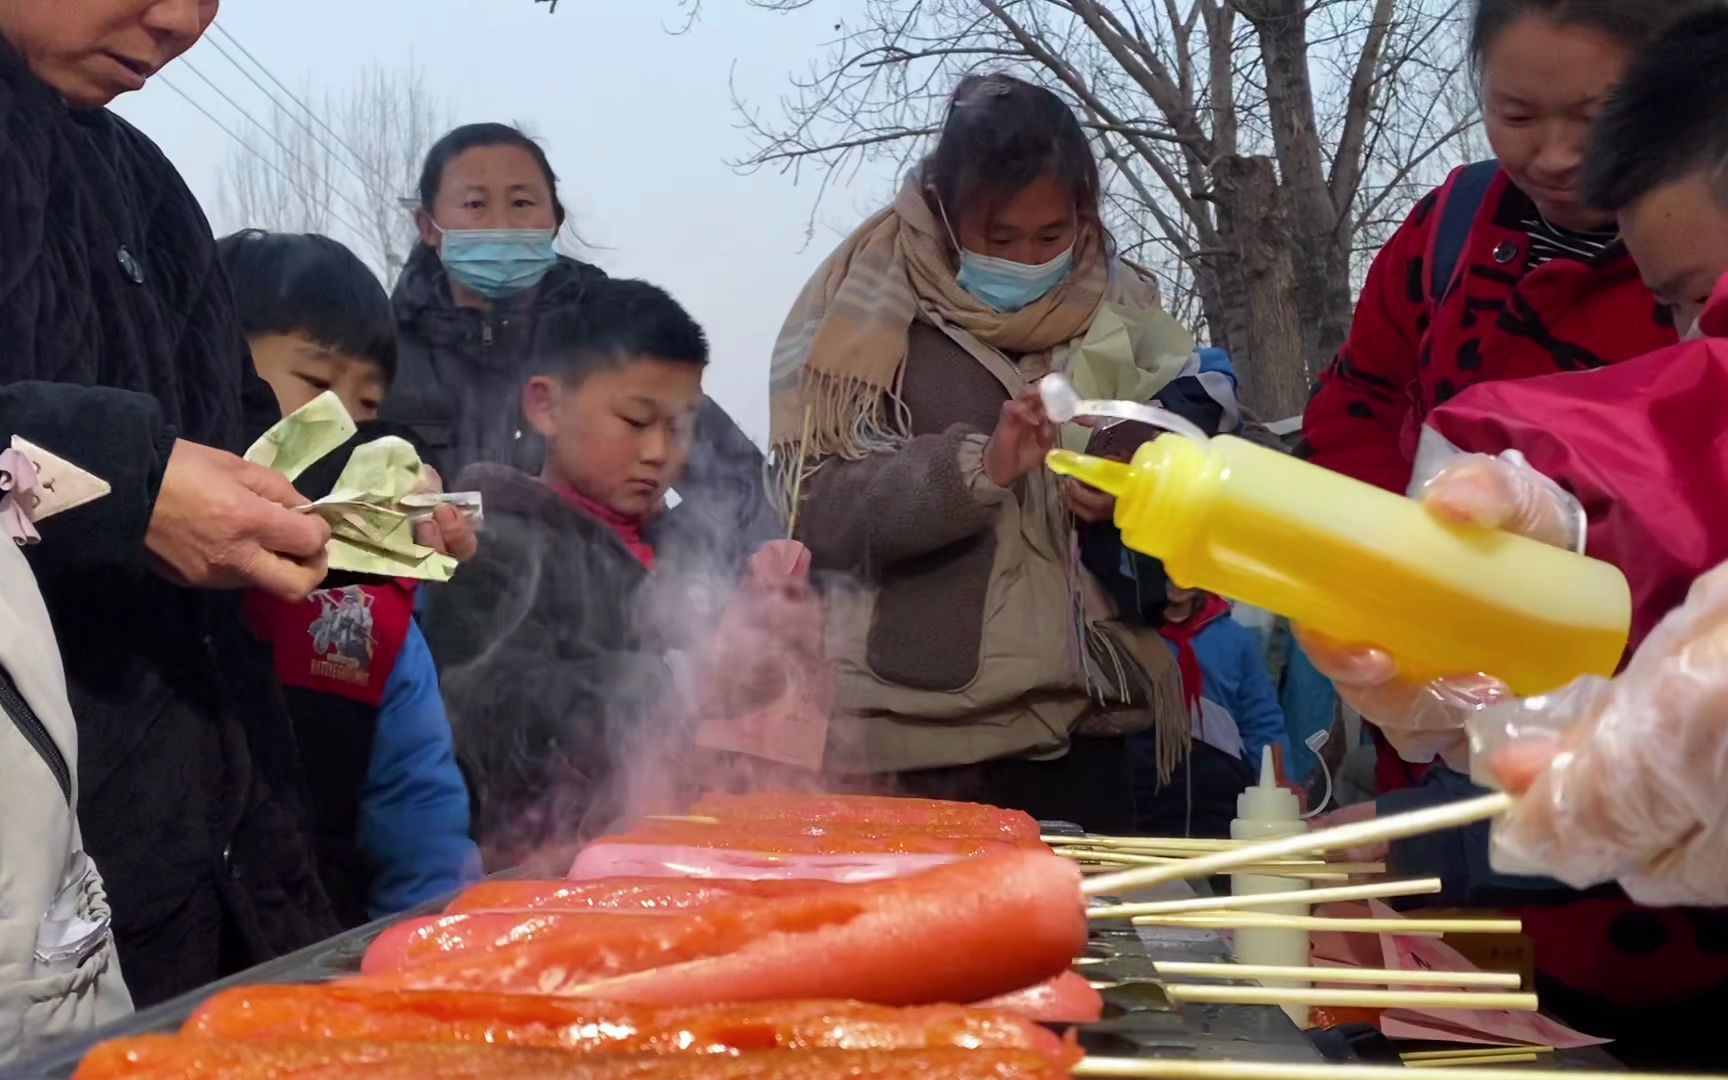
{"x": 1362, "y": 565}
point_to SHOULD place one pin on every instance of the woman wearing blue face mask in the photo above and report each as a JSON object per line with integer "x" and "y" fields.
{"x": 467, "y": 301}
{"x": 467, "y": 306}
{"x": 988, "y": 663}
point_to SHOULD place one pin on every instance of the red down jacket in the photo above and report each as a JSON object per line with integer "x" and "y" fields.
{"x": 1500, "y": 320}
{"x": 1641, "y": 446}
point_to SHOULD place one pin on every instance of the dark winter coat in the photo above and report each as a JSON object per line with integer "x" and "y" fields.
{"x": 459, "y": 385}
{"x": 117, "y": 336}
{"x": 544, "y": 662}
{"x": 1500, "y": 319}
{"x": 460, "y": 370}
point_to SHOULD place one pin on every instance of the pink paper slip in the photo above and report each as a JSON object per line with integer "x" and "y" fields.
{"x": 1398, "y": 952}
{"x": 792, "y": 730}
{"x": 765, "y": 687}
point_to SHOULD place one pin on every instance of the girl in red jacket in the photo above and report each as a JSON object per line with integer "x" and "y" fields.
{"x": 1539, "y": 283}
{"x": 1502, "y": 273}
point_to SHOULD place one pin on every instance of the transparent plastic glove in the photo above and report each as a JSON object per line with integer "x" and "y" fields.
{"x": 1625, "y": 780}
{"x": 1424, "y": 721}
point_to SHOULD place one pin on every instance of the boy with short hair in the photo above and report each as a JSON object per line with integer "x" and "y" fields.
{"x": 540, "y": 638}
{"x": 315, "y": 317}
{"x": 389, "y": 809}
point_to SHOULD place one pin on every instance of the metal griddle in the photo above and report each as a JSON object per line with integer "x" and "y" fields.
{"x": 1139, "y": 1021}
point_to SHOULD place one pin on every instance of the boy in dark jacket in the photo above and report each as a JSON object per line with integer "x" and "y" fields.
{"x": 540, "y": 641}
{"x": 388, "y": 806}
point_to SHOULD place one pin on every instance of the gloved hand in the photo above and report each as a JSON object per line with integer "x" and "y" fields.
{"x": 1626, "y": 779}
{"x": 1426, "y": 720}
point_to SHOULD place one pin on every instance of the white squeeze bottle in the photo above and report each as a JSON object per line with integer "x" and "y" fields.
{"x": 1265, "y": 812}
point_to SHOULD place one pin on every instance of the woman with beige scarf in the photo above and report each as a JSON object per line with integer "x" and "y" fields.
{"x": 979, "y": 660}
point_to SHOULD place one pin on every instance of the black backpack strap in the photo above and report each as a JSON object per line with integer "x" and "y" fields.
{"x": 1462, "y": 202}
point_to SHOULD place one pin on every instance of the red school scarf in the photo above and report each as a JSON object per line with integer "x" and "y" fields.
{"x": 1182, "y": 635}
{"x": 628, "y": 530}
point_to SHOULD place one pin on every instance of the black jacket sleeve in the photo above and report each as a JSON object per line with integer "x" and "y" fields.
{"x": 117, "y": 435}
{"x": 534, "y": 654}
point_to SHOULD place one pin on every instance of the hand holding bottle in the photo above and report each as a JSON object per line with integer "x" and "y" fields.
{"x": 1625, "y": 779}
{"x": 1425, "y": 720}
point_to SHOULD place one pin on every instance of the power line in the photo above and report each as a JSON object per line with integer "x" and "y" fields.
{"x": 250, "y": 149}
{"x": 291, "y": 114}
{"x": 292, "y": 96}
{"x": 275, "y": 138}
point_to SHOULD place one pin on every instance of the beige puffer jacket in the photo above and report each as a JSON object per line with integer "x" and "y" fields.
{"x": 59, "y": 974}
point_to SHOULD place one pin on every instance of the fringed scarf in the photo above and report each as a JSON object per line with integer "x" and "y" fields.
{"x": 840, "y": 355}
{"x": 835, "y": 383}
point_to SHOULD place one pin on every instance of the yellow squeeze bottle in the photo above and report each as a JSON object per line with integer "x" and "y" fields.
{"x": 1362, "y": 565}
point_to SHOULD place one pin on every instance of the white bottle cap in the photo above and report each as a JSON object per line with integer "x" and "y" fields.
{"x": 1267, "y": 801}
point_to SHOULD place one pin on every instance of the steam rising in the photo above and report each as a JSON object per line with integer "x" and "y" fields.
{"x": 715, "y": 636}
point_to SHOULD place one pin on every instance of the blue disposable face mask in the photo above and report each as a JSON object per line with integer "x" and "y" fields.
{"x": 1009, "y": 286}
{"x": 1005, "y": 285}
{"x": 497, "y": 263}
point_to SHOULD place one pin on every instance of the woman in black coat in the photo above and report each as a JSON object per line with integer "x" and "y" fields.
{"x": 120, "y": 351}
{"x": 468, "y": 305}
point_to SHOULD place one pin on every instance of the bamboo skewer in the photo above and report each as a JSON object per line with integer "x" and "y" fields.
{"x": 1316, "y": 866}
{"x": 1479, "y": 980}
{"x": 1485, "y": 1054}
{"x": 1341, "y": 873}
{"x": 1419, "y": 887}
{"x": 798, "y": 477}
{"x": 1178, "y": 1069}
{"x": 1253, "y": 920}
{"x": 1153, "y": 843}
{"x": 1395, "y": 827}
{"x": 1367, "y": 999}
{"x": 1458, "y": 1063}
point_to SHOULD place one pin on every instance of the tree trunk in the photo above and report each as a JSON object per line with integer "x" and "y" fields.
{"x": 1321, "y": 244}
{"x": 1256, "y": 221}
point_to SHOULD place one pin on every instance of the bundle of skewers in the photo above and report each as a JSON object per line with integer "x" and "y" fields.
{"x": 765, "y": 938}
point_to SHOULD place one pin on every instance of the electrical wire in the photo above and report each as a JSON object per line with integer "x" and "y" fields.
{"x": 290, "y": 113}
{"x": 250, "y": 149}
{"x": 275, "y": 138}
{"x": 292, "y": 96}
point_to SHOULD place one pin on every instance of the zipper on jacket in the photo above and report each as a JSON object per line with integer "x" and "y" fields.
{"x": 35, "y": 733}
{"x": 486, "y": 332}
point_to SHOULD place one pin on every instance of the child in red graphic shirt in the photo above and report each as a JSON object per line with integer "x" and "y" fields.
{"x": 388, "y": 806}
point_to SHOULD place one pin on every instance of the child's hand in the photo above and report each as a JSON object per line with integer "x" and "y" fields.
{"x": 1351, "y": 815}
{"x": 448, "y": 532}
{"x": 1023, "y": 435}
{"x": 780, "y": 559}
{"x": 1088, "y": 503}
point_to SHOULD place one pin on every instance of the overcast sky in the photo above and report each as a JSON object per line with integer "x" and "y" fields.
{"x": 638, "y": 124}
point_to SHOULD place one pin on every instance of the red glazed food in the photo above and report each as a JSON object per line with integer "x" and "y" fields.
{"x": 159, "y": 1057}
{"x": 650, "y": 895}
{"x": 298, "y": 1013}
{"x": 967, "y": 931}
{"x": 955, "y": 818}
{"x": 1066, "y": 999}
{"x": 812, "y": 839}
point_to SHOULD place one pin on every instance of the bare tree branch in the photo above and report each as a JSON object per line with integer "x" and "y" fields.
{"x": 1249, "y": 148}
{"x": 351, "y": 184}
